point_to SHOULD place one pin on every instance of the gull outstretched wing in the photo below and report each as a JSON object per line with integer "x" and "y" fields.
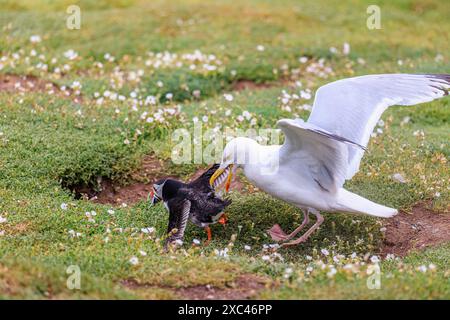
{"x": 350, "y": 108}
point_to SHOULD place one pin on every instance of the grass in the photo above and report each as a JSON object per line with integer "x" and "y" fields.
{"x": 48, "y": 141}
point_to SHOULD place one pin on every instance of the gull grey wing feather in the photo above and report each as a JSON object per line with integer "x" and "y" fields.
{"x": 325, "y": 154}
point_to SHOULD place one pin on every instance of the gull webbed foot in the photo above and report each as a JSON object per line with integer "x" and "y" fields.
{"x": 277, "y": 233}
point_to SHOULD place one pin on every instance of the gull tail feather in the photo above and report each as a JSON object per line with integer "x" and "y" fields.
{"x": 351, "y": 202}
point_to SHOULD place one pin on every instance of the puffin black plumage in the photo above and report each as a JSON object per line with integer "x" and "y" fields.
{"x": 195, "y": 201}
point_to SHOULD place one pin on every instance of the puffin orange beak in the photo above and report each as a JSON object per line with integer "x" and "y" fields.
{"x": 155, "y": 198}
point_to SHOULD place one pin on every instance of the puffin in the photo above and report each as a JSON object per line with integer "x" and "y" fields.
{"x": 195, "y": 201}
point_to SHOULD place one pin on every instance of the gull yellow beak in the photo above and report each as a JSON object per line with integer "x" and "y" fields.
{"x": 219, "y": 172}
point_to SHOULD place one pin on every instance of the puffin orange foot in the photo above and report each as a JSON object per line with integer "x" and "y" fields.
{"x": 209, "y": 235}
{"x": 223, "y": 219}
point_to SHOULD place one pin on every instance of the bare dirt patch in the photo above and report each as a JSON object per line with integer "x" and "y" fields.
{"x": 251, "y": 85}
{"x": 244, "y": 286}
{"x": 28, "y": 83}
{"x": 109, "y": 192}
{"x": 417, "y": 230}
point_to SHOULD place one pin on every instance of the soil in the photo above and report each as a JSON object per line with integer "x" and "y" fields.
{"x": 417, "y": 230}
{"x": 244, "y": 286}
{"x": 28, "y": 83}
{"x": 250, "y": 85}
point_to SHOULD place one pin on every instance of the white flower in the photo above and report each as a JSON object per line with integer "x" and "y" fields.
{"x": 3, "y": 220}
{"x": 332, "y": 272}
{"x": 134, "y": 260}
{"x": 305, "y": 94}
{"x": 111, "y": 211}
{"x": 35, "y": 39}
{"x": 303, "y": 59}
{"x": 126, "y": 141}
{"x": 422, "y": 268}
{"x": 431, "y": 267}
{"x": 374, "y": 259}
{"x": 221, "y": 253}
{"x": 70, "y": 54}
{"x": 260, "y": 47}
{"x": 76, "y": 85}
{"x": 405, "y": 120}
{"x": 346, "y": 48}
{"x": 74, "y": 234}
{"x": 169, "y": 96}
{"x": 196, "y": 241}
{"x": 288, "y": 270}
{"x": 325, "y": 252}
{"x": 361, "y": 61}
{"x": 150, "y": 100}
{"x": 398, "y": 177}
{"x": 246, "y": 115}
{"x": 148, "y": 230}
{"x": 228, "y": 97}
{"x": 195, "y": 119}
{"x": 265, "y": 258}
{"x": 142, "y": 253}
{"x": 333, "y": 50}
{"x": 63, "y": 206}
{"x": 228, "y": 112}
{"x": 205, "y": 119}
{"x": 390, "y": 256}
{"x": 247, "y": 247}
{"x": 309, "y": 269}
{"x": 439, "y": 57}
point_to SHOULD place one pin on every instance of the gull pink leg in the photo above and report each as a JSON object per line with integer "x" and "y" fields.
{"x": 306, "y": 235}
{"x": 278, "y": 234}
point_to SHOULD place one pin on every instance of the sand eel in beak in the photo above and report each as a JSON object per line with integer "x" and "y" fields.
{"x": 194, "y": 201}
{"x": 318, "y": 156}
{"x": 221, "y": 175}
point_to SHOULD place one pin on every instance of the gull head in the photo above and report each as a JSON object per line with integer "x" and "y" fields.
{"x": 237, "y": 153}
